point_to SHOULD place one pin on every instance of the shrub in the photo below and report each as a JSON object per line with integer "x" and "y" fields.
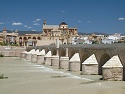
{"x": 1, "y": 55}
{"x": 14, "y": 44}
{"x": 2, "y": 76}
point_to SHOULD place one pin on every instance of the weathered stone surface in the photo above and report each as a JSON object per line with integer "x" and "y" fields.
{"x": 90, "y": 69}
{"x": 40, "y": 59}
{"x": 113, "y": 74}
{"x": 113, "y": 69}
{"x": 34, "y": 56}
{"x": 11, "y": 51}
{"x": 75, "y": 58}
{"x": 23, "y": 55}
{"x": 29, "y": 54}
{"x": 74, "y": 63}
{"x": 74, "y": 66}
{"x": 47, "y": 58}
{"x": 90, "y": 65}
{"x": 55, "y": 61}
{"x": 64, "y": 62}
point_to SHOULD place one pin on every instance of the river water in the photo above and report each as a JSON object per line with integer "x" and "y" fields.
{"x": 24, "y": 77}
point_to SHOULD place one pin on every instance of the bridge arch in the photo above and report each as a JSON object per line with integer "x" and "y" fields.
{"x": 122, "y": 59}
{"x": 71, "y": 52}
{"x": 104, "y": 58}
{"x": 34, "y": 38}
{"x": 38, "y": 38}
{"x": 62, "y": 51}
{"x": 83, "y": 56}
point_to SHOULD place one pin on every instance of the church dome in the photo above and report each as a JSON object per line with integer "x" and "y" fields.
{"x": 63, "y": 23}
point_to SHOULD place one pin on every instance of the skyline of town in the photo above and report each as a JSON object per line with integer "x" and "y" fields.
{"x": 104, "y": 16}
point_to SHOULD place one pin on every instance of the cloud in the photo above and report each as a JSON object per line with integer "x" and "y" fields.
{"x": 121, "y": 19}
{"x": 36, "y": 24}
{"x": 2, "y": 23}
{"x": 28, "y": 27}
{"x": 33, "y": 30}
{"x": 79, "y": 21}
{"x": 25, "y": 26}
{"x": 17, "y": 23}
{"x": 88, "y": 21}
{"x": 37, "y": 20}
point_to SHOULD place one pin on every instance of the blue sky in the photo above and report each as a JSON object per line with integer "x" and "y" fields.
{"x": 106, "y": 16}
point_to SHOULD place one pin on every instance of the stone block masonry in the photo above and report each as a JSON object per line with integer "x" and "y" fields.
{"x": 11, "y": 51}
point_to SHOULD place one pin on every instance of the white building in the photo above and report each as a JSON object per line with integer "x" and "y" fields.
{"x": 107, "y": 41}
{"x": 111, "y": 38}
{"x": 82, "y": 40}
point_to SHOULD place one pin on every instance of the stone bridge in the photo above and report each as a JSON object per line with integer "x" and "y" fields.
{"x": 103, "y": 52}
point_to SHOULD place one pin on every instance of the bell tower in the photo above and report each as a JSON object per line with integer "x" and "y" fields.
{"x": 4, "y": 30}
{"x": 44, "y": 22}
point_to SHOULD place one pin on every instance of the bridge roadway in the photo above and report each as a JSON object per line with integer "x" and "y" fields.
{"x": 103, "y": 52}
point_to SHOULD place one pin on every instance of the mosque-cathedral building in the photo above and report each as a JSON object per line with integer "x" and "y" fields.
{"x": 58, "y": 30}
{"x": 49, "y": 32}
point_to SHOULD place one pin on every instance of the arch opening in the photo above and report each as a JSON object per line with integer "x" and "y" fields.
{"x": 20, "y": 37}
{"x": 83, "y": 57}
{"x": 24, "y": 38}
{"x": 104, "y": 58}
{"x": 34, "y": 38}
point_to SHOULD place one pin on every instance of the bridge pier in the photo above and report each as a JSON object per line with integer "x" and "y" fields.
{"x": 47, "y": 58}
{"x": 29, "y": 55}
{"x": 64, "y": 62}
{"x": 74, "y": 63}
{"x": 103, "y": 53}
{"x": 23, "y": 55}
{"x": 34, "y": 56}
{"x": 113, "y": 69}
{"x": 40, "y": 57}
{"x": 90, "y": 65}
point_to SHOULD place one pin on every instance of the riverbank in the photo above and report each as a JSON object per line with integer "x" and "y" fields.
{"x": 29, "y": 78}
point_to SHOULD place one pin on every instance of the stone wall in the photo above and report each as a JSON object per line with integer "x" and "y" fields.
{"x": 11, "y": 51}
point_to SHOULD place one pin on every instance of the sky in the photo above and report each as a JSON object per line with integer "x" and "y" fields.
{"x": 104, "y": 16}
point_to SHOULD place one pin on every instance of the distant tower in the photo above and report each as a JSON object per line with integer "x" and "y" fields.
{"x": 44, "y": 22}
{"x": 16, "y": 31}
{"x": 4, "y": 30}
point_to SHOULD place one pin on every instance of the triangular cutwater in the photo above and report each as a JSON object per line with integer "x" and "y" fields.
{"x": 113, "y": 62}
{"x": 91, "y": 60}
{"x": 75, "y": 58}
{"x": 48, "y": 54}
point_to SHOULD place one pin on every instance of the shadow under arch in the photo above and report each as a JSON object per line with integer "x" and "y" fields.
{"x": 104, "y": 58}
{"x": 122, "y": 59}
{"x": 62, "y": 51}
{"x": 83, "y": 57}
{"x": 71, "y": 52}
